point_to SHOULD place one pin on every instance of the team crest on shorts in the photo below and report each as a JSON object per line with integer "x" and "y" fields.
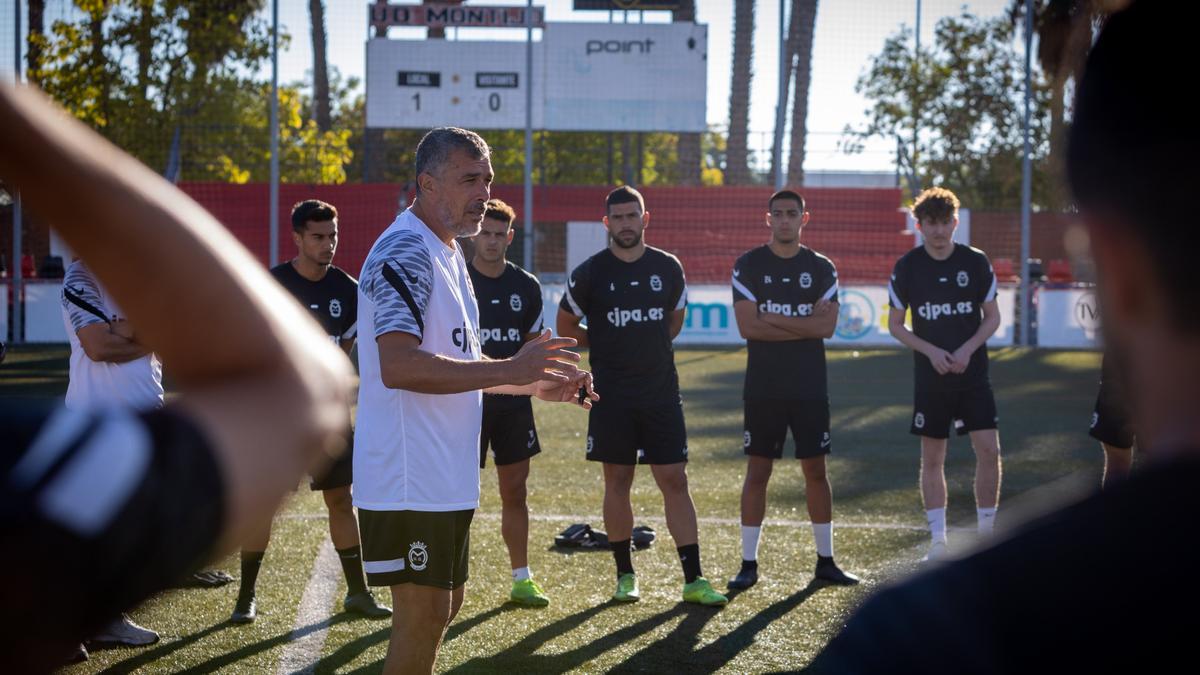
{"x": 591, "y": 442}
{"x": 514, "y": 301}
{"x": 418, "y": 556}
{"x": 805, "y": 280}
{"x": 919, "y": 421}
{"x": 746, "y": 440}
{"x": 1095, "y": 419}
{"x": 655, "y": 282}
{"x": 335, "y": 308}
{"x": 962, "y": 279}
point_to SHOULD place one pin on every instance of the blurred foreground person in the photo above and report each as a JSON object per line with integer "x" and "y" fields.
{"x": 1045, "y": 598}
{"x": 103, "y": 507}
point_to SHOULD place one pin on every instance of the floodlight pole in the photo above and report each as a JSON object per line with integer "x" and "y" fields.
{"x": 527, "y": 240}
{"x": 273, "y": 208}
{"x": 1026, "y": 180}
{"x": 781, "y": 105}
{"x": 18, "y": 296}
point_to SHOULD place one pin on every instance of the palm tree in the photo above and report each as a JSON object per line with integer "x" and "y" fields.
{"x": 316, "y": 10}
{"x": 688, "y": 149}
{"x": 1064, "y": 31}
{"x": 737, "y": 171}
{"x": 799, "y": 53}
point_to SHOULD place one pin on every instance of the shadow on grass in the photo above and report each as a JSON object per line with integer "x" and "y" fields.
{"x": 228, "y": 659}
{"x": 145, "y": 657}
{"x": 343, "y": 655}
{"x": 677, "y": 650}
{"x": 520, "y": 657}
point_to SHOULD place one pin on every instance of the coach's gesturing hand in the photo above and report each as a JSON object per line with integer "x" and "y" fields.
{"x": 545, "y": 358}
{"x": 577, "y": 390}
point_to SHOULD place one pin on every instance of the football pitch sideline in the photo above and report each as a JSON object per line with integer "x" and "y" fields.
{"x": 1045, "y": 402}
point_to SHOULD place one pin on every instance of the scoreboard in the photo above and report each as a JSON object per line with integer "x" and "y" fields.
{"x": 423, "y": 84}
{"x": 586, "y": 77}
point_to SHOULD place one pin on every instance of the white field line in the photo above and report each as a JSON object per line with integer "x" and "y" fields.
{"x": 303, "y": 649}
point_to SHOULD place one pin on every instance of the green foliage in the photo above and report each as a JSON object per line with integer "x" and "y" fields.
{"x": 155, "y": 76}
{"x": 965, "y": 94}
{"x": 179, "y": 84}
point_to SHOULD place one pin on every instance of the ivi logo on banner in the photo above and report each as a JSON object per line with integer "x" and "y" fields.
{"x": 1087, "y": 314}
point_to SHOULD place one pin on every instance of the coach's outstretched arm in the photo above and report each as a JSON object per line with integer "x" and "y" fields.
{"x": 269, "y": 397}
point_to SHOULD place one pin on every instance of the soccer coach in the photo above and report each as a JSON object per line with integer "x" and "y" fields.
{"x": 416, "y": 446}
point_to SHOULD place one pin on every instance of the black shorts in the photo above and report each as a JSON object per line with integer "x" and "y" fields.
{"x": 509, "y": 430}
{"x": 1111, "y": 422}
{"x": 766, "y": 423}
{"x": 429, "y": 548}
{"x": 934, "y": 412}
{"x": 101, "y": 509}
{"x": 630, "y": 436}
{"x": 340, "y": 473}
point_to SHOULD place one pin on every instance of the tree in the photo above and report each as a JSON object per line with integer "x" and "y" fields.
{"x": 799, "y": 61}
{"x": 316, "y": 12}
{"x": 306, "y": 153}
{"x": 737, "y": 171}
{"x": 965, "y": 94}
{"x": 689, "y": 143}
{"x": 36, "y": 40}
{"x": 1064, "y": 32}
{"x": 156, "y": 77}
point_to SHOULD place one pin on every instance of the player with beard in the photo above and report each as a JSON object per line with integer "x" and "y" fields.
{"x": 634, "y": 299}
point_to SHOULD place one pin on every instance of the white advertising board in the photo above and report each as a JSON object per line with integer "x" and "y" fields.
{"x": 584, "y": 239}
{"x": 626, "y": 77}
{"x": 43, "y": 312}
{"x": 421, "y": 84}
{"x": 1068, "y": 317}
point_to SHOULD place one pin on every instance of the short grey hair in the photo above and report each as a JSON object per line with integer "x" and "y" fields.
{"x": 437, "y": 145}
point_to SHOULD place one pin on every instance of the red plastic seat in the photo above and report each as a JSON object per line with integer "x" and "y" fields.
{"x": 1005, "y": 270}
{"x": 1059, "y": 272}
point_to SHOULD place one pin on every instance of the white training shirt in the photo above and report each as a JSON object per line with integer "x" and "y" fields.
{"x": 134, "y": 384}
{"x": 416, "y": 452}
